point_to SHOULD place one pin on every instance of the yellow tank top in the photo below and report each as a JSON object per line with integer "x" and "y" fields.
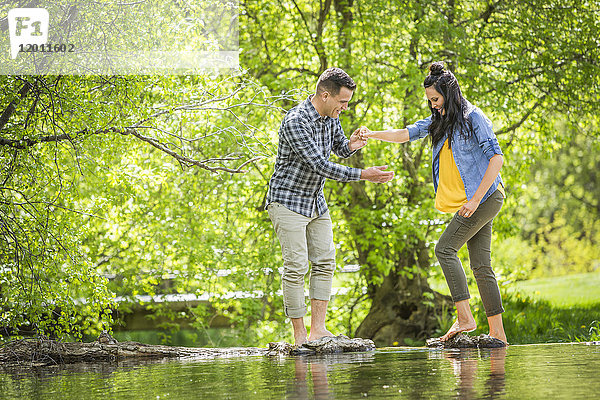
{"x": 451, "y": 193}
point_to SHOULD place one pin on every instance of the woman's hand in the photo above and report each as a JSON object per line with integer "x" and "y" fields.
{"x": 469, "y": 208}
{"x": 365, "y": 132}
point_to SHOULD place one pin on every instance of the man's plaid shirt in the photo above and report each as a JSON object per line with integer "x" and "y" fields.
{"x": 306, "y": 141}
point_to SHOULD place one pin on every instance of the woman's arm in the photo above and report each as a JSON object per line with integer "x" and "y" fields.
{"x": 391, "y": 135}
{"x": 490, "y": 175}
{"x": 415, "y": 131}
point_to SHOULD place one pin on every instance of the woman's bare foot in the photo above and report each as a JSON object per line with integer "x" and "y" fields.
{"x": 500, "y": 336}
{"x": 458, "y": 327}
{"x": 318, "y": 334}
{"x": 496, "y": 328}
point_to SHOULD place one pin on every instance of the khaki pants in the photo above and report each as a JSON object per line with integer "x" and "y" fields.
{"x": 303, "y": 239}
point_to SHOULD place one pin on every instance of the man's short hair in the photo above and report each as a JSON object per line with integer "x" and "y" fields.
{"x": 332, "y": 80}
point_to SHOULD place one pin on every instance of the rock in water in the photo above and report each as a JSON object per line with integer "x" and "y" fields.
{"x": 106, "y": 338}
{"x": 340, "y": 344}
{"x": 464, "y": 341}
{"x": 488, "y": 342}
{"x": 325, "y": 345}
{"x": 279, "y": 349}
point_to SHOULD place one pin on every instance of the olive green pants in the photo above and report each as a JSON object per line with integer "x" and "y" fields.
{"x": 302, "y": 240}
{"x": 476, "y": 231}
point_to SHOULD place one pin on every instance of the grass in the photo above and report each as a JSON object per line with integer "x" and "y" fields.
{"x": 554, "y": 309}
{"x": 528, "y": 320}
{"x": 545, "y": 310}
{"x": 563, "y": 291}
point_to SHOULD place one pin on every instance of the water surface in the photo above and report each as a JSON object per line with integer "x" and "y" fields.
{"x": 570, "y": 371}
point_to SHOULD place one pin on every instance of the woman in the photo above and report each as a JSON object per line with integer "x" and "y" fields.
{"x": 466, "y": 165}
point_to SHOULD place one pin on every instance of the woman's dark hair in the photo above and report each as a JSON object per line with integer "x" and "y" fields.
{"x": 455, "y": 105}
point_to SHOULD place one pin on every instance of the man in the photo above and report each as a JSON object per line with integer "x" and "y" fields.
{"x": 295, "y": 201}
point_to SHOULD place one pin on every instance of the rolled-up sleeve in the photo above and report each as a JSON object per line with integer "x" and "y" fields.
{"x": 482, "y": 129}
{"x": 341, "y": 144}
{"x": 419, "y": 129}
{"x": 297, "y": 134}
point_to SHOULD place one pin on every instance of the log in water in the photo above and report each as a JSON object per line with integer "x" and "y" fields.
{"x": 41, "y": 351}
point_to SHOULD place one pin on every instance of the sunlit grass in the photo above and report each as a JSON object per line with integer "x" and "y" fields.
{"x": 568, "y": 290}
{"x": 546, "y": 310}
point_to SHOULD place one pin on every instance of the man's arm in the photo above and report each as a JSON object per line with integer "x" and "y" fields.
{"x": 342, "y": 147}
{"x": 298, "y": 136}
{"x": 376, "y": 174}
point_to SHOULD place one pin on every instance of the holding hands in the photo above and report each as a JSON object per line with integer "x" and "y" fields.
{"x": 357, "y": 139}
{"x": 364, "y": 133}
{"x": 378, "y": 174}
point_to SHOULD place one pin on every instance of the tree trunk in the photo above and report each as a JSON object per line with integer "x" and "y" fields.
{"x": 400, "y": 310}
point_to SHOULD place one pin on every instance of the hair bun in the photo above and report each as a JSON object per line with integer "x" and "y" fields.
{"x": 436, "y": 68}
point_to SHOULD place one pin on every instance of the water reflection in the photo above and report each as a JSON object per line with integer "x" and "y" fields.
{"x": 391, "y": 373}
{"x": 311, "y": 374}
{"x": 465, "y": 365}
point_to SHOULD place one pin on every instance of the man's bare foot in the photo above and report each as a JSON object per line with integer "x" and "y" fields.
{"x": 318, "y": 334}
{"x": 299, "y": 331}
{"x": 457, "y": 328}
{"x": 300, "y": 339}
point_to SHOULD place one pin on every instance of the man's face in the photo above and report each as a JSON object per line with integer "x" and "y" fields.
{"x": 338, "y": 103}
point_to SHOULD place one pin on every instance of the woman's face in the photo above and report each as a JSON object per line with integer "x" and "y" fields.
{"x": 436, "y": 99}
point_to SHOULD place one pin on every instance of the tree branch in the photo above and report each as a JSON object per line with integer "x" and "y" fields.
{"x": 521, "y": 121}
{"x": 10, "y": 109}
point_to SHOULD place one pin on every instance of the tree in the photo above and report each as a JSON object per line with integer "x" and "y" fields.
{"x": 523, "y": 63}
{"x": 65, "y": 143}
{"x": 563, "y": 207}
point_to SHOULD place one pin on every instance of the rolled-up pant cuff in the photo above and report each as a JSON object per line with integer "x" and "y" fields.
{"x": 493, "y": 312}
{"x": 461, "y": 297}
{"x": 295, "y": 312}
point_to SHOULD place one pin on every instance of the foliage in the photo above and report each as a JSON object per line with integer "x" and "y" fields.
{"x": 98, "y": 200}
{"x": 126, "y": 38}
{"x": 83, "y": 188}
{"x": 523, "y": 63}
{"x": 563, "y": 224}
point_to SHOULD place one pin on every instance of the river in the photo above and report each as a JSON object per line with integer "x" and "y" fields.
{"x": 551, "y": 371}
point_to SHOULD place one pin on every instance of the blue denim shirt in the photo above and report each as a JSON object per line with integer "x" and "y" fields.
{"x": 471, "y": 154}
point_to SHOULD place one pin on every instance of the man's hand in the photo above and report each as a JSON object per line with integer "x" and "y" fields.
{"x": 357, "y": 140}
{"x": 377, "y": 174}
{"x": 364, "y": 133}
